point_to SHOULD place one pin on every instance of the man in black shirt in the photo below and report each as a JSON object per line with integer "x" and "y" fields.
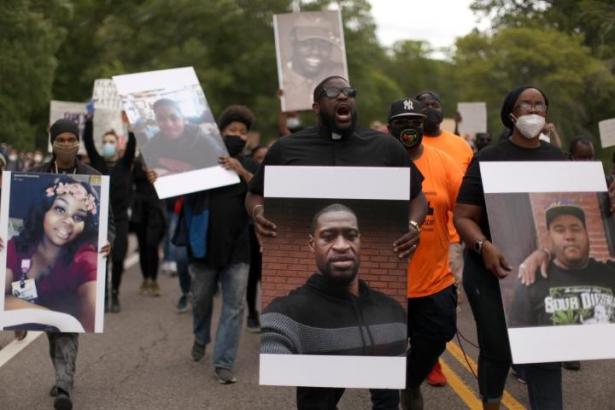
{"x": 336, "y": 140}
{"x": 578, "y": 290}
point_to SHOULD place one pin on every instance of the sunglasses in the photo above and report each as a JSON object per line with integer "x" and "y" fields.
{"x": 334, "y": 92}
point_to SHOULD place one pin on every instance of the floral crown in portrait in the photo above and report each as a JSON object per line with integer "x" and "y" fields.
{"x": 75, "y": 189}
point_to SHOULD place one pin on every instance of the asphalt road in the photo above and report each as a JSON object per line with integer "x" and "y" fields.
{"x": 142, "y": 361}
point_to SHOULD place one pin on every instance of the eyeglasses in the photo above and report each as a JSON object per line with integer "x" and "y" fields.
{"x": 334, "y": 92}
{"x": 539, "y": 107}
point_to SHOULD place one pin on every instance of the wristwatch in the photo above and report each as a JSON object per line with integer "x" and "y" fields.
{"x": 415, "y": 225}
{"x": 478, "y": 246}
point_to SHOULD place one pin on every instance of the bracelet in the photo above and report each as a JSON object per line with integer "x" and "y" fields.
{"x": 548, "y": 252}
{"x": 414, "y": 225}
{"x": 254, "y": 209}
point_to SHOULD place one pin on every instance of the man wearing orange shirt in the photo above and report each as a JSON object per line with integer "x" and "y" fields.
{"x": 432, "y": 295}
{"x": 461, "y": 152}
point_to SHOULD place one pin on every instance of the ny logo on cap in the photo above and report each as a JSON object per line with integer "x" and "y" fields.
{"x": 408, "y": 106}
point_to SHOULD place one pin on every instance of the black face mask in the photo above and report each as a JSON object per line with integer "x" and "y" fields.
{"x": 234, "y": 144}
{"x": 410, "y": 137}
{"x": 431, "y": 124}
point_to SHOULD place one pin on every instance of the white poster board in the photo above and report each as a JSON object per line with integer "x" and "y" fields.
{"x": 74, "y": 111}
{"x": 69, "y": 212}
{"x": 105, "y": 95}
{"x": 309, "y": 339}
{"x": 175, "y": 130}
{"x": 607, "y": 132}
{"x": 107, "y": 112}
{"x": 473, "y": 118}
{"x": 309, "y": 48}
{"x": 561, "y": 207}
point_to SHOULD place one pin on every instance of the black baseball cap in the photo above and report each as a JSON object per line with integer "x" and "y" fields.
{"x": 563, "y": 208}
{"x": 406, "y": 107}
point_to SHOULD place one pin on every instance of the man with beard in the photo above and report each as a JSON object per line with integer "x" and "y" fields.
{"x": 334, "y": 312}
{"x": 324, "y": 301}
{"x": 337, "y": 141}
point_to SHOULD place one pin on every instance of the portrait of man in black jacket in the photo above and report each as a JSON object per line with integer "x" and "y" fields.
{"x": 334, "y": 312}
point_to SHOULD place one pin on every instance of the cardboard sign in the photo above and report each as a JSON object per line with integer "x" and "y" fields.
{"x": 309, "y": 48}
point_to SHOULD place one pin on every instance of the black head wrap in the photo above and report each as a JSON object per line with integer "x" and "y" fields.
{"x": 509, "y": 104}
{"x": 61, "y": 126}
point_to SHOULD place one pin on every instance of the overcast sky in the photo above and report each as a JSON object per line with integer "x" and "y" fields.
{"x": 437, "y": 21}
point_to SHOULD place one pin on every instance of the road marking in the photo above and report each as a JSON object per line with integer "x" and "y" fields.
{"x": 460, "y": 387}
{"x": 507, "y": 399}
{"x": 15, "y": 346}
{"x": 9, "y": 351}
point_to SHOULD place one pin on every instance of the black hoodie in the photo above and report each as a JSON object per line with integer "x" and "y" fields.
{"x": 323, "y": 318}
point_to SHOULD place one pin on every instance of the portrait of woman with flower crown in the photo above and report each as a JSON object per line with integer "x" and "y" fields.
{"x": 55, "y": 249}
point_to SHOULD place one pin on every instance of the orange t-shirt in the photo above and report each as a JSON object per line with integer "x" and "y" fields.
{"x": 460, "y": 151}
{"x": 428, "y": 270}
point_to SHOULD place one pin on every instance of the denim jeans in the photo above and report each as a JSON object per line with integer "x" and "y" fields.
{"x": 179, "y": 254}
{"x": 234, "y": 279}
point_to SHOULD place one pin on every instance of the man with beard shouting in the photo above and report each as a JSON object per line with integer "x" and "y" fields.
{"x": 337, "y": 141}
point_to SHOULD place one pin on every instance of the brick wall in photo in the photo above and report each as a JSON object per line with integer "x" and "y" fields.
{"x": 599, "y": 248}
{"x": 288, "y": 262}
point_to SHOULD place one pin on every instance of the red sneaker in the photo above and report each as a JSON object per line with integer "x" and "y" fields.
{"x": 436, "y": 377}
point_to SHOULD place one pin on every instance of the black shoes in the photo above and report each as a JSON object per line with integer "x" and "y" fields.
{"x": 198, "y": 351}
{"x": 115, "y": 303}
{"x": 62, "y": 399}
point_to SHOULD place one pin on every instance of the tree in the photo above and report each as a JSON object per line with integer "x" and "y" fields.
{"x": 575, "y": 81}
{"x": 27, "y": 51}
{"x": 414, "y": 70}
{"x": 595, "y": 19}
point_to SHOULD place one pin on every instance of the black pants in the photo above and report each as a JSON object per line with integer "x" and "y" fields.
{"x": 148, "y": 252}
{"x": 544, "y": 380}
{"x": 432, "y": 322}
{"x": 120, "y": 247}
{"x": 255, "y": 272}
{"x": 326, "y": 398}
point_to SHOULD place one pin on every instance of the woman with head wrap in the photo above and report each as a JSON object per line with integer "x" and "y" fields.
{"x": 524, "y": 111}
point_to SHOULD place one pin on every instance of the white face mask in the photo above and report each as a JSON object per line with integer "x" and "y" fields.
{"x": 530, "y": 125}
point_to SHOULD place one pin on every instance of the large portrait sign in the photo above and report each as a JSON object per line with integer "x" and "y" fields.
{"x": 53, "y": 226}
{"x": 309, "y": 48}
{"x": 560, "y": 212}
{"x": 175, "y": 130}
{"x": 333, "y": 290}
{"x": 74, "y": 111}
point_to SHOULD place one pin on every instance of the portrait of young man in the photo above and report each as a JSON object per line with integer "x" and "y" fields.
{"x": 577, "y": 289}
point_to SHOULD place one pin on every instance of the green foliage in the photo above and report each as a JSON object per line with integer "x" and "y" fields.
{"x": 412, "y": 67}
{"x": 575, "y": 81}
{"x": 30, "y": 38}
{"x": 56, "y": 49}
